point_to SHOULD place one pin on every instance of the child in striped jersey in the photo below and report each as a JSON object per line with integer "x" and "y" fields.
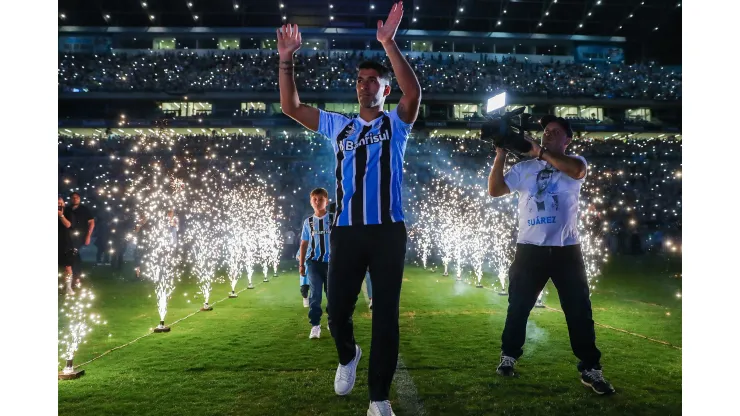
{"x": 314, "y": 256}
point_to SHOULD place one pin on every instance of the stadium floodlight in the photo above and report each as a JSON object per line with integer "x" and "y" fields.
{"x": 496, "y": 102}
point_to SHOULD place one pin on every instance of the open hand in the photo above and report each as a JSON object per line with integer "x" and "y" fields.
{"x": 387, "y": 31}
{"x": 289, "y": 40}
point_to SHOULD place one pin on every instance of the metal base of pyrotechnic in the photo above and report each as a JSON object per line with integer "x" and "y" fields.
{"x": 459, "y": 279}
{"x": 233, "y": 295}
{"x": 502, "y": 293}
{"x": 250, "y": 286}
{"x": 479, "y": 286}
{"x": 69, "y": 372}
{"x": 265, "y": 280}
{"x": 539, "y": 305}
{"x": 206, "y": 308}
{"x": 161, "y": 328}
{"x": 445, "y": 274}
{"x": 274, "y": 275}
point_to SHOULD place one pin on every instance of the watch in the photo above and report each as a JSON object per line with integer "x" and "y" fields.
{"x": 543, "y": 149}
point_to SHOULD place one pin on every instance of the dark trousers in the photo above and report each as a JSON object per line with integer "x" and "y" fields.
{"x": 77, "y": 263}
{"x": 304, "y": 291}
{"x": 382, "y": 248}
{"x": 532, "y": 267}
{"x": 317, "y": 275}
{"x": 103, "y": 253}
{"x": 119, "y": 249}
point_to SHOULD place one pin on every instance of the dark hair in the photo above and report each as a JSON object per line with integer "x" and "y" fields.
{"x": 75, "y": 193}
{"x": 320, "y": 191}
{"x": 383, "y": 72}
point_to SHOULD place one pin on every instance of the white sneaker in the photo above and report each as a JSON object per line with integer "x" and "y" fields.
{"x": 70, "y": 291}
{"x": 305, "y": 302}
{"x": 315, "y": 332}
{"x": 344, "y": 380}
{"x": 380, "y": 409}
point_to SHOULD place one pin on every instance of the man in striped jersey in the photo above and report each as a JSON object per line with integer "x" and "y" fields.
{"x": 314, "y": 256}
{"x": 369, "y": 229}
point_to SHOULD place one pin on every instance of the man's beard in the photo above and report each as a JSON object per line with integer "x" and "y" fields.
{"x": 369, "y": 102}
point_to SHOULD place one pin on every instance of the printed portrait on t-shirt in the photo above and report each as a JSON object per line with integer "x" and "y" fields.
{"x": 543, "y": 198}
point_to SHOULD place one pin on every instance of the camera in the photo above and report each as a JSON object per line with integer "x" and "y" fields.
{"x": 503, "y": 131}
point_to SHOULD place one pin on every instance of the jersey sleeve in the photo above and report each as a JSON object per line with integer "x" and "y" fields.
{"x": 513, "y": 178}
{"x": 330, "y": 124}
{"x": 583, "y": 179}
{"x": 400, "y": 124}
{"x": 305, "y": 234}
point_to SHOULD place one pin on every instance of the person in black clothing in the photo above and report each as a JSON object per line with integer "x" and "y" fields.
{"x": 142, "y": 229}
{"x": 102, "y": 240}
{"x": 66, "y": 248}
{"x": 119, "y": 235}
{"x": 81, "y": 230}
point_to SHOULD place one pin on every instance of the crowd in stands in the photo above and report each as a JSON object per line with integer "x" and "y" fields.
{"x": 187, "y": 71}
{"x": 638, "y": 182}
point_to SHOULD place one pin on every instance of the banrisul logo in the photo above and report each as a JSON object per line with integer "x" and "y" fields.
{"x": 349, "y": 145}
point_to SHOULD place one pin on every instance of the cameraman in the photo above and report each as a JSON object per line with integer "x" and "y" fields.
{"x": 548, "y": 247}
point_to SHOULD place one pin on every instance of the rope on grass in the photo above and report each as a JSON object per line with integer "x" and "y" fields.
{"x": 625, "y": 331}
{"x": 151, "y": 332}
{"x": 616, "y": 329}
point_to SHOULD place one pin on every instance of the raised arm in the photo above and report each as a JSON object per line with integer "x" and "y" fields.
{"x": 289, "y": 41}
{"x": 496, "y": 184}
{"x": 408, "y": 106}
{"x": 569, "y": 165}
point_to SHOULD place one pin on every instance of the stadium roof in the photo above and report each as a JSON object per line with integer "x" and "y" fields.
{"x": 654, "y": 24}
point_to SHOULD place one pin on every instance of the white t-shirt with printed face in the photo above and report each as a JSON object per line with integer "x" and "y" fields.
{"x": 548, "y": 203}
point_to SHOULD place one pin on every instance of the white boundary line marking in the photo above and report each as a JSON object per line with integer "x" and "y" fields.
{"x": 152, "y": 332}
{"x": 408, "y": 396}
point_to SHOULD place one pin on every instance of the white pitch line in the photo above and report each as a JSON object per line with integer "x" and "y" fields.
{"x": 152, "y": 332}
{"x": 408, "y": 396}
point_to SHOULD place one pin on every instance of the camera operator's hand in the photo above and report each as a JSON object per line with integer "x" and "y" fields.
{"x": 535, "y": 150}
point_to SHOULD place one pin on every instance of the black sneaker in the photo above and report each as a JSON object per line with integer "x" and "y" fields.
{"x": 506, "y": 366}
{"x": 595, "y": 380}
